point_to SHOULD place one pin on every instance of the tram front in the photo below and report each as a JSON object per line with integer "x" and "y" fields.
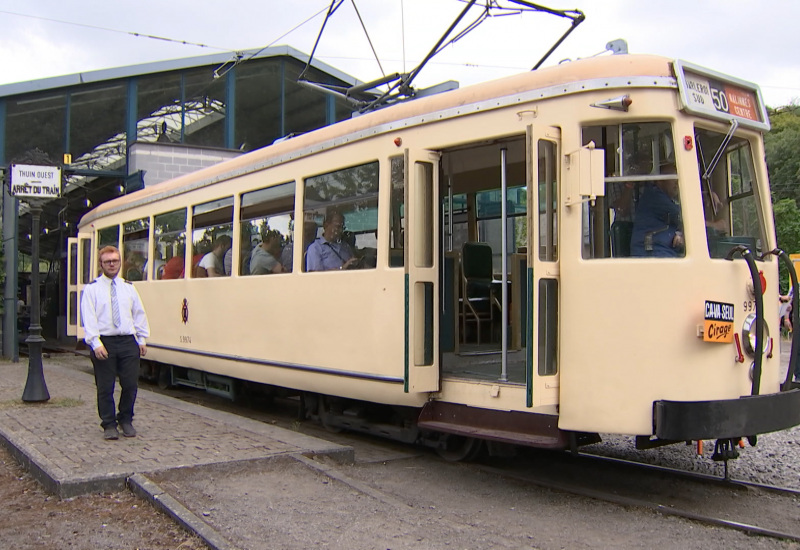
{"x": 669, "y": 311}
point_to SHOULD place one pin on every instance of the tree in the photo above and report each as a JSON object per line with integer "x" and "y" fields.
{"x": 787, "y": 230}
{"x": 782, "y": 145}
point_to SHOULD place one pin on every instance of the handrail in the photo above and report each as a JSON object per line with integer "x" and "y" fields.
{"x": 784, "y": 257}
{"x": 759, "y": 299}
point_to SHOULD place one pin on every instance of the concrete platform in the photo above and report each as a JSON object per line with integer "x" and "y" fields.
{"x": 60, "y": 441}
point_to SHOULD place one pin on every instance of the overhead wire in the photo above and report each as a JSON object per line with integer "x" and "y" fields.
{"x": 108, "y": 29}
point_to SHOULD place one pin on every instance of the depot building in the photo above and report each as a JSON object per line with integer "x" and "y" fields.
{"x": 115, "y": 131}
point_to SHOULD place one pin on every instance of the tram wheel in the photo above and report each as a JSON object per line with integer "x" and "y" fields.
{"x": 324, "y": 410}
{"x": 164, "y": 377}
{"x": 457, "y": 448}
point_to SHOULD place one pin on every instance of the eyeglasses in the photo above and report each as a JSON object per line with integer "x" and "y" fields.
{"x": 110, "y": 262}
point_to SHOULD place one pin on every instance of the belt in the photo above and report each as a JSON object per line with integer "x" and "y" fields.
{"x": 118, "y": 336}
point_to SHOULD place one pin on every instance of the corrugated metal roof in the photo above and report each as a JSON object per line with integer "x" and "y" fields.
{"x": 164, "y": 66}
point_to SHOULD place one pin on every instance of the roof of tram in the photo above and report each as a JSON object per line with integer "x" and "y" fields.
{"x": 240, "y": 101}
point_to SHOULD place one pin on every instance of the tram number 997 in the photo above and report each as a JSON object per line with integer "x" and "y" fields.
{"x": 749, "y": 306}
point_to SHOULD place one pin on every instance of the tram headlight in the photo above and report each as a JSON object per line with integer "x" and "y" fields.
{"x": 749, "y": 335}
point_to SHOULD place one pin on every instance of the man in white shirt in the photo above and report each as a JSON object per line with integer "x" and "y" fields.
{"x": 116, "y": 328}
{"x": 213, "y": 262}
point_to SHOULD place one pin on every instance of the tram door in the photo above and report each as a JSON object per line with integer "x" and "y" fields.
{"x": 79, "y": 274}
{"x": 421, "y": 242}
{"x": 600, "y": 357}
{"x": 544, "y": 257}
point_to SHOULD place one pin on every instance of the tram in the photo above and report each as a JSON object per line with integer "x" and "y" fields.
{"x": 578, "y": 250}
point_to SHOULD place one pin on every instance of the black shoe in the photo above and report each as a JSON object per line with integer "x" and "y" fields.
{"x": 128, "y": 430}
{"x": 110, "y": 433}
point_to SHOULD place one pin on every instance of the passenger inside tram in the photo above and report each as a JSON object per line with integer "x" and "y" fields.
{"x": 213, "y": 262}
{"x": 713, "y": 207}
{"x": 329, "y": 251}
{"x": 287, "y": 255}
{"x": 264, "y": 258}
{"x": 657, "y": 224}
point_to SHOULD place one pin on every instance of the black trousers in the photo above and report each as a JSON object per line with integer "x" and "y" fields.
{"x": 122, "y": 362}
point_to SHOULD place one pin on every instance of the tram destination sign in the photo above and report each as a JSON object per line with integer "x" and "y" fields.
{"x": 715, "y": 95}
{"x": 35, "y": 182}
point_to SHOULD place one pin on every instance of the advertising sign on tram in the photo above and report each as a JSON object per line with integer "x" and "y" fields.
{"x": 709, "y": 93}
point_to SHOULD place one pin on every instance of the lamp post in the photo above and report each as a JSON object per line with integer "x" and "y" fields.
{"x": 36, "y": 184}
{"x": 35, "y": 386}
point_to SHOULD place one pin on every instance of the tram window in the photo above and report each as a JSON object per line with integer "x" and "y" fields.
{"x": 135, "y": 236}
{"x": 488, "y": 207}
{"x": 88, "y": 270}
{"x": 423, "y": 232}
{"x": 730, "y": 196}
{"x": 170, "y": 250}
{"x": 397, "y": 218}
{"x": 73, "y": 264}
{"x": 640, "y": 214}
{"x": 212, "y": 226}
{"x": 344, "y": 204}
{"x": 108, "y": 236}
{"x": 460, "y": 234}
{"x": 548, "y": 327}
{"x": 548, "y": 201}
{"x": 267, "y": 229}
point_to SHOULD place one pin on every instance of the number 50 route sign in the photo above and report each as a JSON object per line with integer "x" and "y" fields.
{"x": 715, "y": 95}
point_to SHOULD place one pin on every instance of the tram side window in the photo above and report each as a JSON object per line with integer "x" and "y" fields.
{"x": 212, "y": 227}
{"x": 108, "y": 236}
{"x": 267, "y": 231}
{"x": 488, "y": 205}
{"x": 397, "y": 218}
{"x": 730, "y": 200}
{"x": 87, "y": 273}
{"x": 344, "y": 204}
{"x": 135, "y": 235}
{"x": 640, "y": 214}
{"x": 548, "y": 201}
{"x": 170, "y": 250}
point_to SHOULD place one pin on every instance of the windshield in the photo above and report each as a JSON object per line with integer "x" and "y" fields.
{"x": 730, "y": 202}
{"x": 640, "y": 214}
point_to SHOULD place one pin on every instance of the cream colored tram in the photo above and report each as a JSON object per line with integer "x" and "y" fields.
{"x": 509, "y": 287}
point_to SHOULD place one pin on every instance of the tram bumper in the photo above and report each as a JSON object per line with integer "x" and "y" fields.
{"x": 726, "y": 418}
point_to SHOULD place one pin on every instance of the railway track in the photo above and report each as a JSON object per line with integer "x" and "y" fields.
{"x": 744, "y": 506}
{"x": 750, "y": 507}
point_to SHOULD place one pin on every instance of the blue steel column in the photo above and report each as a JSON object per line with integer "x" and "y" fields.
{"x": 230, "y": 108}
{"x": 330, "y": 109}
{"x": 131, "y": 119}
{"x": 183, "y": 108}
{"x": 282, "y": 100}
{"x": 10, "y": 248}
{"x": 67, "y": 121}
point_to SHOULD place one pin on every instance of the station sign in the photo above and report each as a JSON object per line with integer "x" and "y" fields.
{"x": 715, "y": 95}
{"x": 35, "y": 182}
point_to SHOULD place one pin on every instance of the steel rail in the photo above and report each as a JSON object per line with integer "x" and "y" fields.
{"x": 636, "y": 502}
{"x": 693, "y": 475}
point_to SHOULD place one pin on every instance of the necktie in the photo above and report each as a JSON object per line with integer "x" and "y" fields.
{"x": 114, "y": 304}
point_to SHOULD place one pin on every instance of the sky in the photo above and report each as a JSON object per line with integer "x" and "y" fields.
{"x": 754, "y": 41}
